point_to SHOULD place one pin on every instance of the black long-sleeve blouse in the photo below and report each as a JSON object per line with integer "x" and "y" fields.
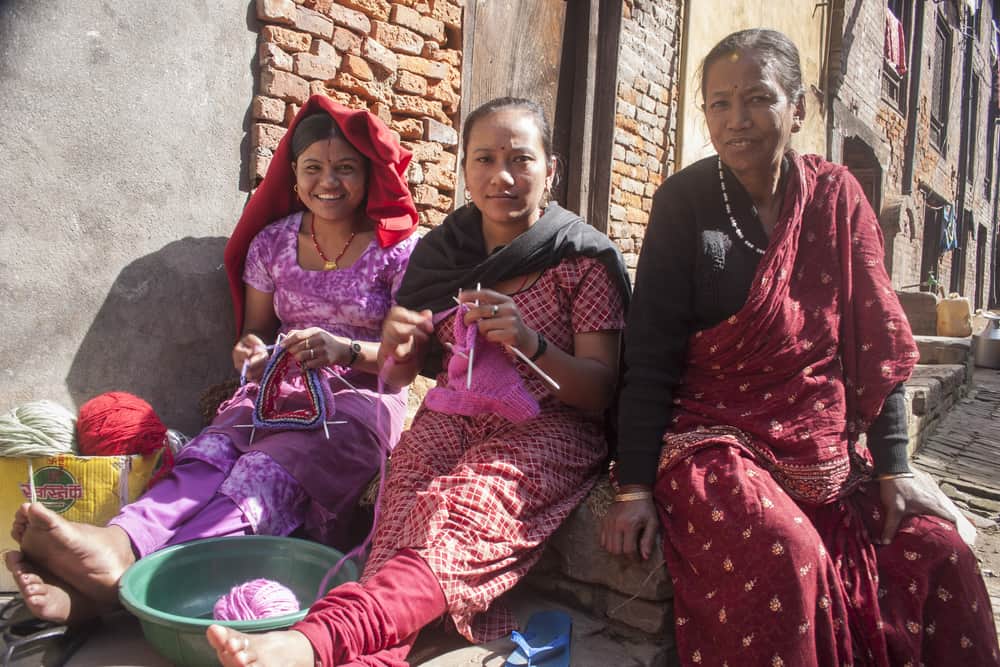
{"x": 694, "y": 272}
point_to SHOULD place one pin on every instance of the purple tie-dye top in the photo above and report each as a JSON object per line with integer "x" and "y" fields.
{"x": 350, "y": 302}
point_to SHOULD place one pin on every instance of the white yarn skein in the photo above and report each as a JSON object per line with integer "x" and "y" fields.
{"x": 37, "y": 428}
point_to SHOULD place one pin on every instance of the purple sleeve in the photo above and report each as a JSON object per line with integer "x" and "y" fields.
{"x": 399, "y": 258}
{"x": 256, "y": 273}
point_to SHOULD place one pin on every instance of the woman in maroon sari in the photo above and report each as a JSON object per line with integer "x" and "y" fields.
{"x": 763, "y": 339}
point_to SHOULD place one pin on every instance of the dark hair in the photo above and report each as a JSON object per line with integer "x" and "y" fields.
{"x": 532, "y": 108}
{"x": 314, "y": 127}
{"x": 776, "y": 51}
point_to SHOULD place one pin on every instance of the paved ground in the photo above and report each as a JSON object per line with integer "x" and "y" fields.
{"x": 964, "y": 456}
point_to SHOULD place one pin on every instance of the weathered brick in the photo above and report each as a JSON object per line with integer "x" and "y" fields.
{"x": 397, "y": 38}
{"x": 291, "y": 111}
{"x": 435, "y": 175}
{"x": 270, "y": 54}
{"x": 268, "y": 109}
{"x": 266, "y": 136}
{"x": 423, "y": 25}
{"x": 414, "y": 172}
{"x": 408, "y": 128}
{"x": 430, "y": 217}
{"x": 440, "y": 133}
{"x": 353, "y": 20}
{"x": 309, "y": 66}
{"x": 454, "y": 77}
{"x": 383, "y": 111}
{"x": 431, "y": 69}
{"x": 346, "y": 41}
{"x": 286, "y": 86}
{"x": 377, "y": 9}
{"x": 442, "y": 92}
{"x": 324, "y": 49}
{"x": 287, "y": 39}
{"x": 434, "y": 52}
{"x": 410, "y": 83}
{"x": 424, "y": 151}
{"x": 411, "y": 105}
{"x": 357, "y": 67}
{"x": 424, "y": 195}
{"x": 320, "y": 88}
{"x": 377, "y": 54}
{"x": 276, "y": 11}
{"x": 447, "y": 13}
{"x": 259, "y": 162}
{"x": 433, "y": 29}
{"x": 448, "y": 161}
{"x": 313, "y": 22}
{"x": 350, "y": 84}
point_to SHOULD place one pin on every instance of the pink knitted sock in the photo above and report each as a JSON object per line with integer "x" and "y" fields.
{"x": 496, "y": 384}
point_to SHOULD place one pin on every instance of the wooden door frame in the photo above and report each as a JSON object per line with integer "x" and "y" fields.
{"x": 587, "y": 170}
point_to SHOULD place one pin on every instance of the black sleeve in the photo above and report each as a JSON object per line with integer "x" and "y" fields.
{"x": 887, "y": 436}
{"x": 660, "y": 320}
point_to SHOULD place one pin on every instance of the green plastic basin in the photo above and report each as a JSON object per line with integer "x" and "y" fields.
{"x": 173, "y": 591}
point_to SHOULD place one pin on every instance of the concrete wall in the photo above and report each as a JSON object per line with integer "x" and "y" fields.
{"x": 122, "y": 126}
{"x": 708, "y": 22}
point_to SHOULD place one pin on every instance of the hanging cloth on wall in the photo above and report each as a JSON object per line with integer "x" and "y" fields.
{"x": 895, "y": 42}
{"x": 949, "y": 228}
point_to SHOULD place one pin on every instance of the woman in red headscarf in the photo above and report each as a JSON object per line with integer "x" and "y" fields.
{"x": 764, "y": 339}
{"x": 314, "y": 265}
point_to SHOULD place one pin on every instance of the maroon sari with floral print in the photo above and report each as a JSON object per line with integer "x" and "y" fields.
{"x": 761, "y": 484}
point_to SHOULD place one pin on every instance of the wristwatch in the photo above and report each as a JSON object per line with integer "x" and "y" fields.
{"x": 355, "y": 347}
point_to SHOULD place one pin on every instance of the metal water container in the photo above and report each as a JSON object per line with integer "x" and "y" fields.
{"x": 986, "y": 345}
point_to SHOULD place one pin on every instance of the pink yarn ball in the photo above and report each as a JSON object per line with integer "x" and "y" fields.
{"x": 259, "y": 598}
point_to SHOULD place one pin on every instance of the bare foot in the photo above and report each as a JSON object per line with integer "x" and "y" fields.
{"x": 91, "y": 558}
{"x": 285, "y": 649}
{"x": 45, "y": 596}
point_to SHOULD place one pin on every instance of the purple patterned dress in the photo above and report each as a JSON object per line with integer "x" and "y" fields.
{"x": 282, "y": 479}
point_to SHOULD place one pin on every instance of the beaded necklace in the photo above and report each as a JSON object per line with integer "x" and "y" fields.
{"x": 329, "y": 264}
{"x": 732, "y": 220}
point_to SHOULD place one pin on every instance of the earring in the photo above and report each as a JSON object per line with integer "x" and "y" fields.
{"x": 295, "y": 188}
{"x": 468, "y": 197}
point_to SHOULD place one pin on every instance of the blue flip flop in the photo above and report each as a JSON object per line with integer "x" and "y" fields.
{"x": 544, "y": 642}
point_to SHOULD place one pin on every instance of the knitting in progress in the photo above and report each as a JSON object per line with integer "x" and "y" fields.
{"x": 267, "y": 413}
{"x": 496, "y": 386}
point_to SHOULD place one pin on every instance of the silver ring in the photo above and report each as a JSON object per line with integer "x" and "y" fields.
{"x": 496, "y": 309}
{"x": 312, "y": 354}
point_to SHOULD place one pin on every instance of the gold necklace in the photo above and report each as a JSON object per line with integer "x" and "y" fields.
{"x": 328, "y": 264}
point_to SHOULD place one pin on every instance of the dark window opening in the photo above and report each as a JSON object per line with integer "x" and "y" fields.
{"x": 940, "y": 84}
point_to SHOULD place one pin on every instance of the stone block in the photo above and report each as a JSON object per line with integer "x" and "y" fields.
{"x": 276, "y": 11}
{"x": 943, "y": 349}
{"x": 357, "y": 67}
{"x": 268, "y": 109}
{"x": 283, "y": 85}
{"x": 288, "y": 40}
{"x": 309, "y": 66}
{"x": 440, "y": 133}
{"x": 410, "y": 83}
{"x": 270, "y": 54}
{"x": 432, "y": 69}
{"x": 346, "y": 41}
{"x": 376, "y": 9}
{"x": 349, "y": 18}
{"x": 377, "y": 54}
{"x": 397, "y": 38}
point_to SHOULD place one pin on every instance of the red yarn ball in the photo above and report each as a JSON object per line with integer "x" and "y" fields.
{"x": 118, "y": 423}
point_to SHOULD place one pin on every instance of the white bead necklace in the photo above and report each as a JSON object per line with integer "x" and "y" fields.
{"x": 732, "y": 220}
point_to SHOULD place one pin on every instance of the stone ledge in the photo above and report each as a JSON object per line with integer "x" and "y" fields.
{"x": 943, "y": 349}
{"x": 931, "y": 392}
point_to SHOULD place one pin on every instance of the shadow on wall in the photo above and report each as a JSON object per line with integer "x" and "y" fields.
{"x": 164, "y": 332}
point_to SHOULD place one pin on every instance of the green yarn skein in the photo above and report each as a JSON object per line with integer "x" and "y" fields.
{"x": 37, "y": 428}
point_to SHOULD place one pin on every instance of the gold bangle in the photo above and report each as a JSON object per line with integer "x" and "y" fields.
{"x": 634, "y": 495}
{"x": 893, "y": 475}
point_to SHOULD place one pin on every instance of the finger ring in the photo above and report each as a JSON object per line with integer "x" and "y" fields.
{"x": 308, "y": 345}
{"x": 312, "y": 354}
{"x": 496, "y": 309}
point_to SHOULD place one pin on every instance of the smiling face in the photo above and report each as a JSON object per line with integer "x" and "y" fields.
{"x": 749, "y": 115}
{"x": 506, "y": 169}
{"x": 332, "y": 179}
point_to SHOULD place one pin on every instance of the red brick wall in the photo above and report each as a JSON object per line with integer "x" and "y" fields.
{"x": 400, "y": 60}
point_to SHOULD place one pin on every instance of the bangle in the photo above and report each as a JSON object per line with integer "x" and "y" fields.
{"x": 893, "y": 475}
{"x": 542, "y": 346}
{"x": 632, "y": 495}
{"x": 355, "y": 348}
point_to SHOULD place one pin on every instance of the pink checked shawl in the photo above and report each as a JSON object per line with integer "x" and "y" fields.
{"x": 803, "y": 368}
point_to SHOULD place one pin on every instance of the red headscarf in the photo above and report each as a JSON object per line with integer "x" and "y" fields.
{"x": 389, "y": 202}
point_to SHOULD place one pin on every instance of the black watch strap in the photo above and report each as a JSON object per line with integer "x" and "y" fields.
{"x": 355, "y": 352}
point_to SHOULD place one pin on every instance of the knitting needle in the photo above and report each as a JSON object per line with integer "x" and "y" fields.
{"x": 522, "y": 356}
{"x": 31, "y": 481}
{"x": 542, "y": 374}
{"x": 246, "y": 366}
{"x": 351, "y": 386}
{"x": 472, "y": 350}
